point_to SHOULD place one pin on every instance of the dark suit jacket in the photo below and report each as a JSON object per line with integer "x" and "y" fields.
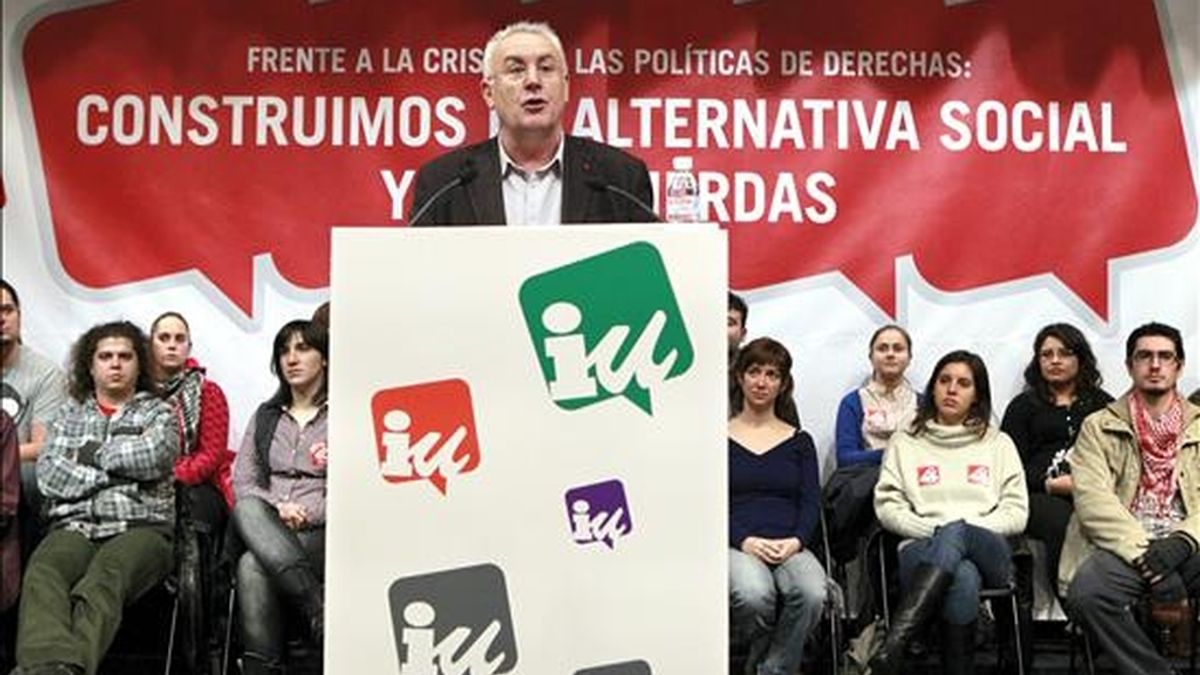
{"x": 481, "y": 200}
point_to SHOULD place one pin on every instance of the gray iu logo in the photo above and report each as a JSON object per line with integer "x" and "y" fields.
{"x": 625, "y": 668}
{"x": 454, "y": 622}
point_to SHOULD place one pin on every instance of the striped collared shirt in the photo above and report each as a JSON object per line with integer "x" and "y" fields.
{"x": 532, "y": 198}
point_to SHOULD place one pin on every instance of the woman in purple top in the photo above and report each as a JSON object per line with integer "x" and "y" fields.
{"x": 776, "y": 585}
{"x": 279, "y": 484}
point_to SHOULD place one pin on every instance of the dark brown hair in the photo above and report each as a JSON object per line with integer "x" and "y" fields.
{"x": 314, "y": 336}
{"x": 737, "y": 304}
{"x": 170, "y": 315}
{"x": 81, "y": 385}
{"x": 767, "y": 352}
{"x": 980, "y": 413}
{"x": 1154, "y": 329}
{"x": 1087, "y": 381}
{"x": 883, "y": 329}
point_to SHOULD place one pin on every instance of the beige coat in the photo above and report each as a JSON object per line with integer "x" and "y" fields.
{"x": 1106, "y": 465}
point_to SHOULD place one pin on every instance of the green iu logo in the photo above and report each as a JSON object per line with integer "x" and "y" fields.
{"x": 606, "y": 326}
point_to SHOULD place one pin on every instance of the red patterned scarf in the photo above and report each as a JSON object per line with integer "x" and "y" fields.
{"x": 1159, "y": 443}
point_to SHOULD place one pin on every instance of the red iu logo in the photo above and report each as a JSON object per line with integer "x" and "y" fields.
{"x": 979, "y": 474}
{"x": 928, "y": 475}
{"x": 425, "y": 432}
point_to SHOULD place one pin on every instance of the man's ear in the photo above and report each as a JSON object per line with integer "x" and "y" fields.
{"x": 485, "y": 90}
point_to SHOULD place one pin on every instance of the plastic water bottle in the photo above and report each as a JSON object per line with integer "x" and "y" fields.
{"x": 683, "y": 195}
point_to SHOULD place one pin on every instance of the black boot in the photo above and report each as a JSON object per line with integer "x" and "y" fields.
{"x": 924, "y": 598}
{"x": 253, "y": 664}
{"x": 307, "y": 593}
{"x": 958, "y": 649}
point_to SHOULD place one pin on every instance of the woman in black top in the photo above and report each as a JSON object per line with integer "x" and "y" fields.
{"x": 1062, "y": 386}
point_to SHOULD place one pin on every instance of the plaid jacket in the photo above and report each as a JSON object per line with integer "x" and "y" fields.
{"x": 103, "y": 475}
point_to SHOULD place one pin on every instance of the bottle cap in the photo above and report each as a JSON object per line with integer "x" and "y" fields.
{"x": 682, "y": 163}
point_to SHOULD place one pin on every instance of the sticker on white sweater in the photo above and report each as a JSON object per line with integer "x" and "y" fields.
{"x": 979, "y": 474}
{"x": 929, "y": 475}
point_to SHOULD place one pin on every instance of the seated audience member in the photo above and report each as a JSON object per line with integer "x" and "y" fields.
{"x": 203, "y": 469}
{"x": 105, "y": 472}
{"x": 10, "y": 494}
{"x": 868, "y": 416}
{"x": 279, "y": 480}
{"x": 1136, "y": 467}
{"x": 320, "y": 316}
{"x": 866, "y": 419}
{"x": 952, "y": 486}
{"x": 735, "y": 324}
{"x": 32, "y": 391}
{"x": 776, "y": 584}
{"x": 202, "y": 417}
{"x": 1062, "y": 387}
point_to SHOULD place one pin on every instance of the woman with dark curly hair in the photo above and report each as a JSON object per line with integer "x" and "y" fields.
{"x": 1062, "y": 386}
{"x": 279, "y": 481}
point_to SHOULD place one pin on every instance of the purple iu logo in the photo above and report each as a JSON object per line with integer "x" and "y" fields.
{"x": 598, "y": 512}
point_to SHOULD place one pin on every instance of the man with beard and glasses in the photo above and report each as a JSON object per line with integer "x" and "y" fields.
{"x": 1133, "y": 538}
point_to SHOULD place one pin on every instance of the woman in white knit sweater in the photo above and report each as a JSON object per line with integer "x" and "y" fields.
{"x": 953, "y": 487}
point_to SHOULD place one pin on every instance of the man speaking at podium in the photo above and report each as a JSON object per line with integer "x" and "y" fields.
{"x": 531, "y": 173}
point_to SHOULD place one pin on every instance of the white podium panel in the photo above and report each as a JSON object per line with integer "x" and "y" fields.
{"x": 527, "y": 470}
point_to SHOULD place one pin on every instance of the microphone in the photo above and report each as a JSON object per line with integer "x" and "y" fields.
{"x": 600, "y": 186}
{"x": 466, "y": 174}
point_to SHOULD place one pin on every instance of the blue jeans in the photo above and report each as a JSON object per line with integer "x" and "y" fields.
{"x": 977, "y": 557}
{"x": 774, "y": 608}
{"x": 275, "y": 566}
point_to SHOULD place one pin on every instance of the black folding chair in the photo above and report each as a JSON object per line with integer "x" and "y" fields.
{"x": 886, "y": 542}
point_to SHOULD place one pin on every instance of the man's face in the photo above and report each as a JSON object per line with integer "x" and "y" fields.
{"x": 10, "y": 319}
{"x": 735, "y": 324}
{"x": 528, "y": 87}
{"x": 1154, "y": 365}
{"x": 115, "y": 368}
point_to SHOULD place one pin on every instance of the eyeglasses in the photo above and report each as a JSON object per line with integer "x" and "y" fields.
{"x": 1050, "y": 354}
{"x": 1147, "y": 356}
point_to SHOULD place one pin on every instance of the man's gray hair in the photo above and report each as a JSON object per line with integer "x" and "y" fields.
{"x": 534, "y": 27}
